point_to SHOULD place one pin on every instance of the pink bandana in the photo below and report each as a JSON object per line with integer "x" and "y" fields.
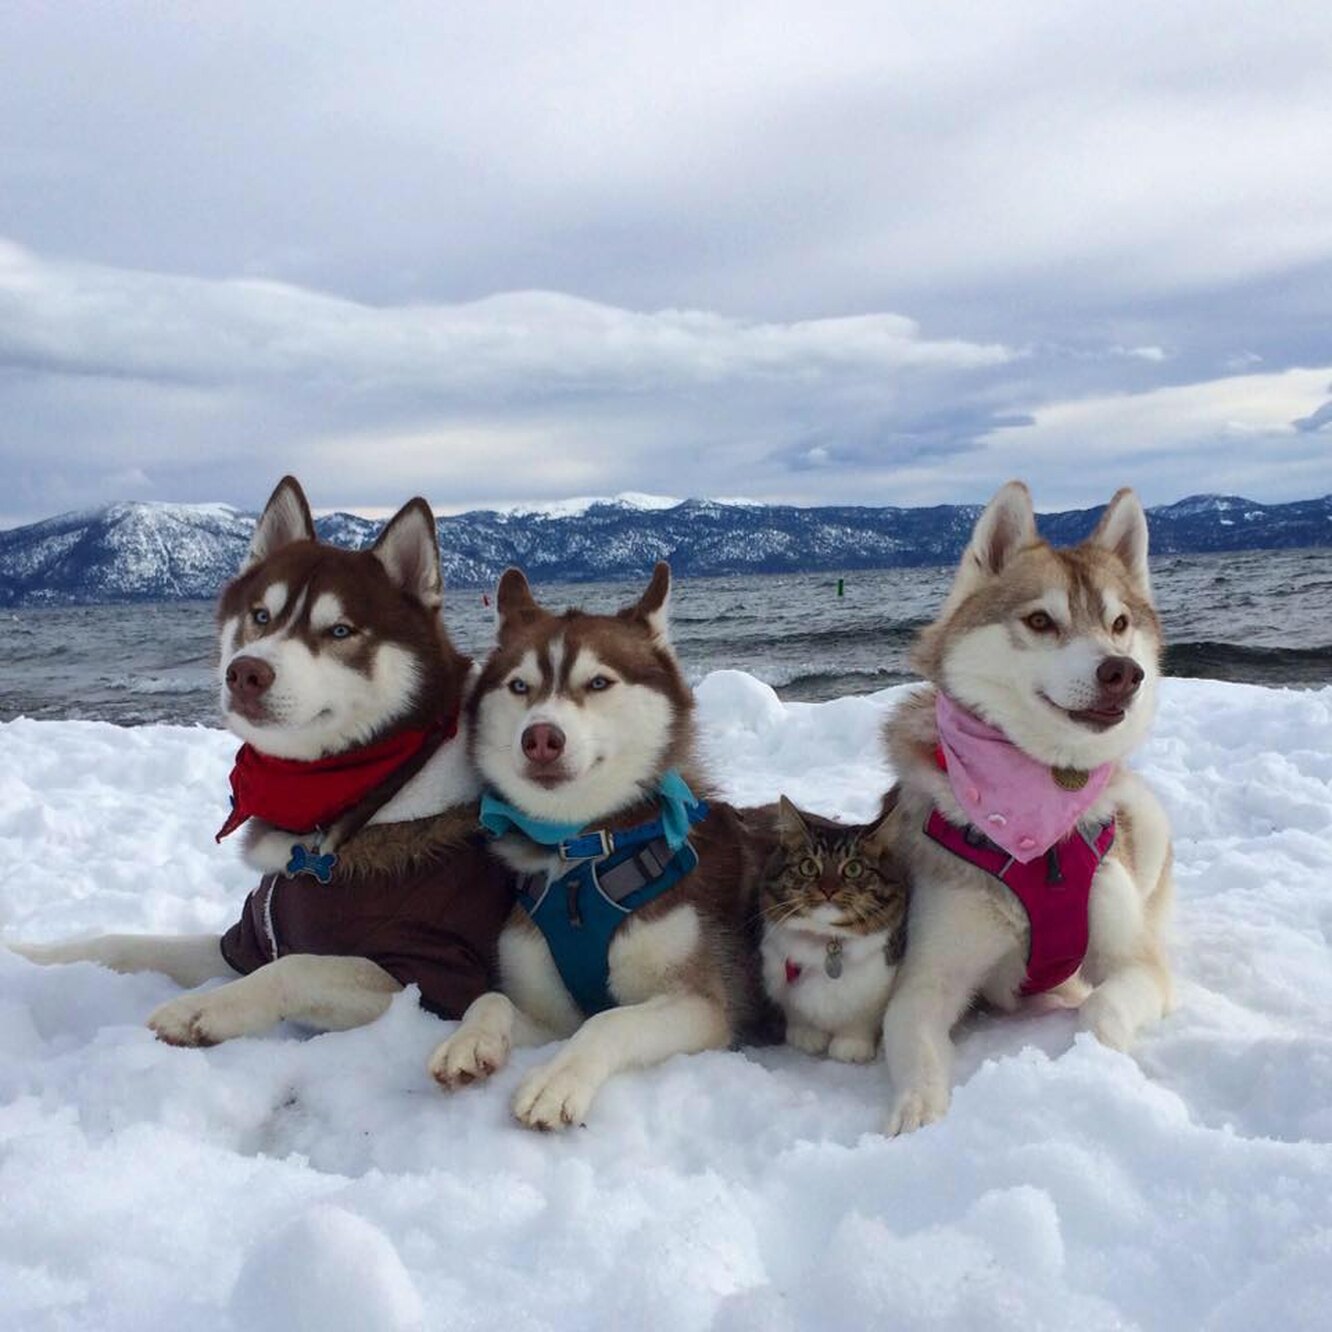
{"x": 1014, "y": 799}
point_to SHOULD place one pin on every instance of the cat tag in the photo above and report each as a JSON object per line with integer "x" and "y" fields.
{"x": 832, "y": 959}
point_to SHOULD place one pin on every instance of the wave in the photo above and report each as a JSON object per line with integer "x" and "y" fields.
{"x": 770, "y": 636}
{"x": 1250, "y": 665}
{"x": 816, "y": 686}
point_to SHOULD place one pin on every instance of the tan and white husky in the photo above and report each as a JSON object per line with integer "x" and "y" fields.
{"x": 1033, "y": 850}
{"x": 582, "y": 728}
{"x": 336, "y": 672}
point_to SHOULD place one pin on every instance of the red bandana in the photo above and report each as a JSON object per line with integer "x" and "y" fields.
{"x": 303, "y": 794}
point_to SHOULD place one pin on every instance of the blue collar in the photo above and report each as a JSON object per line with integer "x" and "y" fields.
{"x": 677, "y": 809}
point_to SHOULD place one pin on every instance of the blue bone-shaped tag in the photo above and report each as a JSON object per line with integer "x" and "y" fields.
{"x": 306, "y": 861}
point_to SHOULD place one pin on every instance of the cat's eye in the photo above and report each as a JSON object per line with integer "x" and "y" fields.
{"x": 809, "y": 868}
{"x": 853, "y": 869}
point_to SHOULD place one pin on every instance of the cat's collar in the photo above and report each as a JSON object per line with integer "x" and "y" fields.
{"x": 832, "y": 962}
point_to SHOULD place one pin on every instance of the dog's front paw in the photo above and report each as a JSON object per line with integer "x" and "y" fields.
{"x": 555, "y": 1096}
{"x": 1105, "y": 1017}
{"x": 206, "y": 1019}
{"x": 809, "y": 1039}
{"x": 853, "y": 1049}
{"x": 915, "y": 1108}
{"x": 467, "y": 1057}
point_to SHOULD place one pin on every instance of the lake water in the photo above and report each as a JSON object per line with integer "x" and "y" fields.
{"x": 1258, "y": 616}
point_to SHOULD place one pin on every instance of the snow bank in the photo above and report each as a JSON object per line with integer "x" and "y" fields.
{"x": 296, "y": 1182}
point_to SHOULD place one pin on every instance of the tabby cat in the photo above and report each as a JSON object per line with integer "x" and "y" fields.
{"x": 834, "y": 907}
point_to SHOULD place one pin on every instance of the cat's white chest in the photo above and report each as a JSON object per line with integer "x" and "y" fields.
{"x": 831, "y": 988}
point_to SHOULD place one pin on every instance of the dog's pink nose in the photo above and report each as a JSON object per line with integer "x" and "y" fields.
{"x": 543, "y": 743}
{"x": 1119, "y": 678}
{"x": 248, "y": 678}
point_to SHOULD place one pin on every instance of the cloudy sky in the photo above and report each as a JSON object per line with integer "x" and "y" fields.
{"x": 886, "y": 252}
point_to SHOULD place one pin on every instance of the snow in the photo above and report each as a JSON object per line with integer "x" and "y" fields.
{"x": 576, "y": 506}
{"x": 296, "y": 1181}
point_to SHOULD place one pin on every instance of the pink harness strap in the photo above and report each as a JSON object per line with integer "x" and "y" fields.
{"x": 1054, "y": 891}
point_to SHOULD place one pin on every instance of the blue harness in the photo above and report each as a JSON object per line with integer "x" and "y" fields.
{"x": 611, "y": 876}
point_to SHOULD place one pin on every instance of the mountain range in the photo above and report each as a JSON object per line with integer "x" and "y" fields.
{"x": 160, "y": 552}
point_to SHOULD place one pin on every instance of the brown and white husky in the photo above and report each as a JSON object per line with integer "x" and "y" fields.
{"x": 336, "y": 672}
{"x": 1038, "y": 860}
{"x": 635, "y": 894}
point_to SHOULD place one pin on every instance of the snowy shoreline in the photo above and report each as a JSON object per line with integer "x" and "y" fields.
{"x": 293, "y": 1181}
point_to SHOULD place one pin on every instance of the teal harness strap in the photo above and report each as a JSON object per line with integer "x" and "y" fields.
{"x": 579, "y": 917}
{"x": 612, "y": 874}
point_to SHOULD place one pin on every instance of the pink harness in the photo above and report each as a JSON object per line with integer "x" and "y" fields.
{"x": 1025, "y": 831}
{"x": 1054, "y": 891}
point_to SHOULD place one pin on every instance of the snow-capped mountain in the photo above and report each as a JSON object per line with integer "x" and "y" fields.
{"x": 154, "y": 552}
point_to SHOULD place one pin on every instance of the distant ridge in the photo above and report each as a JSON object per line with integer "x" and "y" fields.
{"x": 161, "y": 552}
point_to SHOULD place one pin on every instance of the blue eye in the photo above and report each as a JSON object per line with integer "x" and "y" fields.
{"x": 599, "y": 682}
{"x": 517, "y": 686}
{"x": 340, "y": 631}
{"x": 260, "y": 615}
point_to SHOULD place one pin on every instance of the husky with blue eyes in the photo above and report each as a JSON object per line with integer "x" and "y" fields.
{"x": 354, "y": 788}
{"x": 637, "y": 893}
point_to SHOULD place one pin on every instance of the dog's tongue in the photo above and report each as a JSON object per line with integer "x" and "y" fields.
{"x": 1018, "y": 802}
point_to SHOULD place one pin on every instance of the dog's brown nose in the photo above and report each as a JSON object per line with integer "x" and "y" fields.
{"x": 1119, "y": 678}
{"x": 248, "y": 678}
{"x": 543, "y": 743}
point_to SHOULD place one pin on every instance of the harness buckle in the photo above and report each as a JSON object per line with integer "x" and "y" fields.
{"x": 588, "y": 846}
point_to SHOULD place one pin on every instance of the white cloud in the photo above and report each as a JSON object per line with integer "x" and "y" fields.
{"x": 85, "y": 320}
{"x": 1228, "y": 435}
{"x": 512, "y": 252}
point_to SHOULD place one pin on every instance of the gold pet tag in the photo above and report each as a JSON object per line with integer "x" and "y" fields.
{"x": 1070, "y": 779}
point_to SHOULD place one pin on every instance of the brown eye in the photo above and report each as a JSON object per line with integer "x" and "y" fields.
{"x": 809, "y": 868}
{"x": 1039, "y": 622}
{"x": 1120, "y": 624}
{"x": 853, "y": 869}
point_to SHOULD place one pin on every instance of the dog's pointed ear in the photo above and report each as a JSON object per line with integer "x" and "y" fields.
{"x": 651, "y": 607}
{"x": 1123, "y": 530}
{"x": 514, "y": 603}
{"x": 1007, "y": 525}
{"x": 286, "y": 518}
{"x": 408, "y": 548}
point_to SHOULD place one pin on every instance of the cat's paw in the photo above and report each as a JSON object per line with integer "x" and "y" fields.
{"x": 915, "y": 1108}
{"x": 555, "y": 1096}
{"x": 853, "y": 1049}
{"x": 467, "y": 1057}
{"x": 809, "y": 1039}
